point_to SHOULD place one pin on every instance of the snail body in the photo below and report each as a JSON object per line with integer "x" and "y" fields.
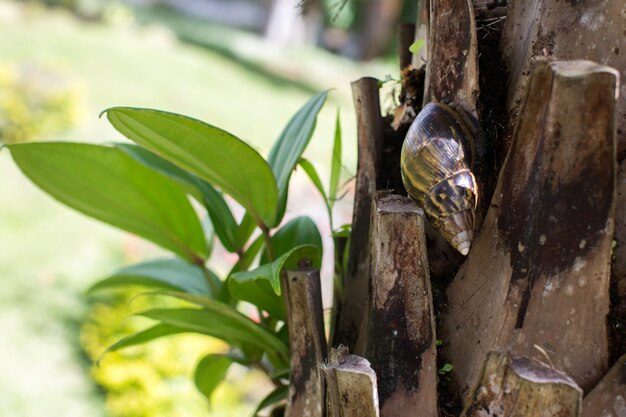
{"x": 436, "y": 165}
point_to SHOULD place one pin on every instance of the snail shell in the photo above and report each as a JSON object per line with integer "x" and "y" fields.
{"x": 436, "y": 160}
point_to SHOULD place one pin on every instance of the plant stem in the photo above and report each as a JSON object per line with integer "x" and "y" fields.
{"x": 214, "y": 289}
{"x": 268, "y": 243}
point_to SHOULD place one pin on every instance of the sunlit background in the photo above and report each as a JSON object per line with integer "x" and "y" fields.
{"x": 244, "y": 65}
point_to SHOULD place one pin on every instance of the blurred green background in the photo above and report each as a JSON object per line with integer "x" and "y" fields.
{"x": 61, "y": 63}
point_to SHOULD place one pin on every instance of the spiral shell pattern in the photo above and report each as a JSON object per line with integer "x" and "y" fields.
{"x": 435, "y": 163}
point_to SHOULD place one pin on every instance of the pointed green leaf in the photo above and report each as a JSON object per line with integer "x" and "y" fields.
{"x": 210, "y": 153}
{"x": 210, "y": 371}
{"x": 279, "y": 394}
{"x": 289, "y": 260}
{"x": 310, "y": 170}
{"x": 415, "y": 47}
{"x": 221, "y": 217}
{"x": 139, "y": 338}
{"x": 260, "y": 293}
{"x": 249, "y": 255}
{"x": 244, "y": 230}
{"x": 335, "y": 166}
{"x": 298, "y": 231}
{"x": 290, "y": 145}
{"x": 218, "y": 320}
{"x": 173, "y": 274}
{"x": 107, "y": 184}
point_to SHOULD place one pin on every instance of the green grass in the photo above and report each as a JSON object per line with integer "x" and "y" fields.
{"x": 50, "y": 254}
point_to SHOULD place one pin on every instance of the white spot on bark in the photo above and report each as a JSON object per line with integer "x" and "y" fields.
{"x": 620, "y": 406}
{"x": 520, "y": 247}
{"x": 542, "y": 240}
{"x": 582, "y": 244}
{"x": 579, "y": 263}
{"x": 592, "y": 21}
{"x": 547, "y": 289}
{"x": 582, "y": 281}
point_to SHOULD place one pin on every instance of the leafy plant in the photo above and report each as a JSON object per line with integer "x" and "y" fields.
{"x": 36, "y": 101}
{"x": 144, "y": 188}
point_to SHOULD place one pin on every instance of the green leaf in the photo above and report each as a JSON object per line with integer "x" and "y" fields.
{"x": 154, "y": 161}
{"x": 298, "y": 231}
{"x": 107, "y": 184}
{"x": 260, "y": 293}
{"x": 310, "y": 170}
{"x": 218, "y": 320}
{"x": 249, "y": 255}
{"x": 290, "y": 145}
{"x": 139, "y": 338}
{"x": 289, "y": 260}
{"x": 210, "y": 371}
{"x": 221, "y": 217}
{"x": 244, "y": 230}
{"x": 445, "y": 369}
{"x": 415, "y": 47}
{"x": 335, "y": 166}
{"x": 279, "y": 394}
{"x": 173, "y": 274}
{"x": 211, "y": 153}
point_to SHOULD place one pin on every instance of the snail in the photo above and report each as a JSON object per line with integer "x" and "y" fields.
{"x": 436, "y": 164}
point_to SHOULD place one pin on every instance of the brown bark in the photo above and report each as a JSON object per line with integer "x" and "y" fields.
{"x": 538, "y": 272}
{"x": 401, "y": 342}
{"x": 353, "y": 310}
{"x": 565, "y": 30}
{"x": 608, "y": 398}
{"x": 421, "y": 32}
{"x": 452, "y": 67}
{"x": 618, "y": 269}
{"x": 307, "y": 343}
{"x": 350, "y": 385}
{"x": 406, "y": 37}
{"x": 520, "y": 387}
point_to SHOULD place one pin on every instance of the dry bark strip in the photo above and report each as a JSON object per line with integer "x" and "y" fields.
{"x": 452, "y": 67}
{"x": 352, "y": 315}
{"x": 350, "y": 385}
{"x": 307, "y": 342}
{"x": 608, "y": 398}
{"x": 618, "y": 267}
{"x": 422, "y": 23}
{"x": 406, "y": 37}
{"x": 520, "y": 387}
{"x": 401, "y": 348}
{"x": 565, "y": 30}
{"x": 538, "y": 272}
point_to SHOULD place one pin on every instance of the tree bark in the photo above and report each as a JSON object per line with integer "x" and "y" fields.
{"x": 307, "y": 343}
{"x": 520, "y": 387}
{"x": 452, "y": 67}
{"x": 538, "y": 272}
{"x": 608, "y": 398}
{"x": 565, "y": 30}
{"x": 401, "y": 342}
{"x": 353, "y": 310}
{"x": 351, "y": 385}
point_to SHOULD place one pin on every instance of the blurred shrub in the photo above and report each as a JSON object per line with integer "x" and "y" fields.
{"x": 36, "y": 102}
{"x": 151, "y": 380}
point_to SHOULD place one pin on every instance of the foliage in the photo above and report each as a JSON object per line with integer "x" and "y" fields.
{"x": 143, "y": 189}
{"x": 35, "y": 102}
{"x": 150, "y": 380}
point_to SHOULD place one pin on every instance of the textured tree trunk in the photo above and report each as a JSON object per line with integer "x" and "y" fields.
{"x": 534, "y": 315}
